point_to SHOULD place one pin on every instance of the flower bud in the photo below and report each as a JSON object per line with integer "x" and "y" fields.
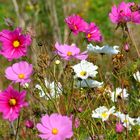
{"x": 126, "y": 47}
{"x": 119, "y": 127}
{"x": 29, "y": 124}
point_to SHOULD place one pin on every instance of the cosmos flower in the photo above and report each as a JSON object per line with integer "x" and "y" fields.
{"x": 76, "y": 24}
{"x": 11, "y": 102}
{"x": 68, "y": 52}
{"x": 124, "y": 13}
{"x": 53, "y": 89}
{"x": 14, "y": 43}
{"x": 55, "y": 127}
{"x": 93, "y": 33}
{"x": 88, "y": 83}
{"x": 19, "y": 72}
{"x": 125, "y": 119}
{"x": 85, "y": 69}
{"x": 137, "y": 76}
{"x": 103, "y": 112}
{"x": 103, "y": 50}
{"x": 119, "y": 93}
{"x": 138, "y": 121}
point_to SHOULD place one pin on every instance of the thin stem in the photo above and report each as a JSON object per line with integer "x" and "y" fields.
{"x": 18, "y": 123}
{"x": 133, "y": 41}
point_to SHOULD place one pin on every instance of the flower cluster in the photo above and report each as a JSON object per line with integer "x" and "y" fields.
{"x": 14, "y": 46}
{"x": 77, "y": 24}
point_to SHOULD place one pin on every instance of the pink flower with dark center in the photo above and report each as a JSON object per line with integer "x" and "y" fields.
{"x": 93, "y": 33}
{"x": 55, "y": 127}
{"x": 76, "y": 24}
{"x": 19, "y": 72}
{"x": 14, "y": 43}
{"x": 11, "y": 102}
{"x": 67, "y": 52}
{"x": 125, "y": 12}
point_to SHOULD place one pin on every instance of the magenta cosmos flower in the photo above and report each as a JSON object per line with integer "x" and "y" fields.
{"x": 67, "y": 52}
{"x": 11, "y": 102}
{"x": 14, "y": 43}
{"x": 19, "y": 72}
{"x": 76, "y": 24}
{"x": 124, "y": 13}
{"x": 55, "y": 127}
{"x": 93, "y": 33}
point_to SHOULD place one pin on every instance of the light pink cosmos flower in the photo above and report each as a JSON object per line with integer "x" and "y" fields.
{"x": 76, "y": 24}
{"x": 55, "y": 127}
{"x": 93, "y": 33}
{"x": 11, "y": 102}
{"x": 19, "y": 72}
{"x": 67, "y": 52}
{"x": 14, "y": 43}
{"x": 124, "y": 13}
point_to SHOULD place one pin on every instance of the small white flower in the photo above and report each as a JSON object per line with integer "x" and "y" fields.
{"x": 125, "y": 119}
{"x": 85, "y": 69}
{"x": 26, "y": 85}
{"x": 137, "y": 76}
{"x": 88, "y": 83}
{"x": 103, "y": 50}
{"x": 53, "y": 89}
{"x": 57, "y": 62}
{"x": 119, "y": 93}
{"x": 138, "y": 121}
{"x": 103, "y": 112}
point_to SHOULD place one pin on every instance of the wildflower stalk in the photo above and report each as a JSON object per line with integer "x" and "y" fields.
{"x": 133, "y": 41}
{"x": 18, "y": 123}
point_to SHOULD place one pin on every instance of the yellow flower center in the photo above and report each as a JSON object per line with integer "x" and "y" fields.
{"x": 125, "y": 121}
{"x": 12, "y": 102}
{"x": 83, "y": 73}
{"x": 21, "y": 76}
{"x": 89, "y": 35}
{"x": 104, "y": 114}
{"x": 75, "y": 27}
{"x": 69, "y": 53}
{"x": 55, "y": 131}
{"x": 16, "y": 44}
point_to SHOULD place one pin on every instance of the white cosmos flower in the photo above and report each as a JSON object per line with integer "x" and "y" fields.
{"x": 137, "y": 76}
{"x": 53, "y": 89}
{"x": 119, "y": 92}
{"x": 88, "y": 83}
{"x": 137, "y": 121}
{"x": 103, "y": 112}
{"x": 125, "y": 119}
{"x": 103, "y": 50}
{"x": 85, "y": 69}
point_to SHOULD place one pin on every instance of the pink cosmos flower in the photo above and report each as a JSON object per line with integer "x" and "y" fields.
{"x": 67, "y": 52}
{"x": 19, "y": 72}
{"x": 93, "y": 33}
{"x": 55, "y": 127}
{"x": 135, "y": 16}
{"x": 76, "y": 24}
{"x": 14, "y": 43}
{"x": 11, "y": 102}
{"x": 124, "y": 13}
